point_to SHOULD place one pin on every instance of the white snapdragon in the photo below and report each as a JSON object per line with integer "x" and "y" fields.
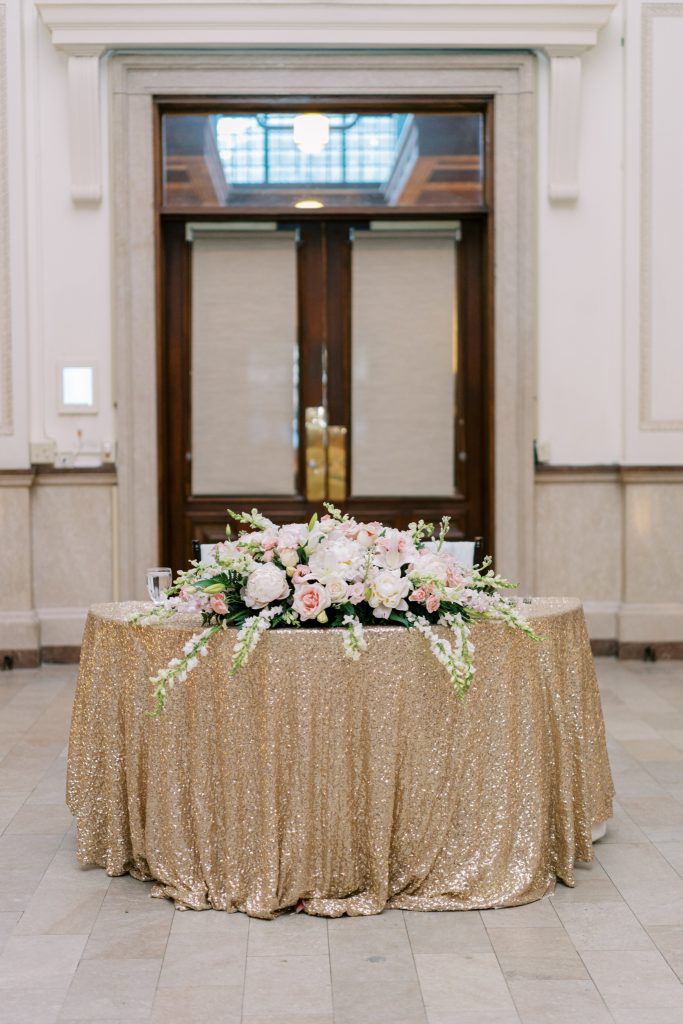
{"x": 354, "y": 637}
{"x": 178, "y": 668}
{"x": 458, "y": 662}
{"x": 249, "y": 635}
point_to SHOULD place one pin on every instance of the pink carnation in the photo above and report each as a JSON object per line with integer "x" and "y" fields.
{"x": 218, "y": 604}
{"x": 433, "y": 603}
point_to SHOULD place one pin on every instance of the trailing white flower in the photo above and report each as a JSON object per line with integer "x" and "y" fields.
{"x": 354, "y": 637}
{"x": 150, "y": 615}
{"x": 249, "y": 635}
{"x": 178, "y": 668}
{"x": 458, "y": 662}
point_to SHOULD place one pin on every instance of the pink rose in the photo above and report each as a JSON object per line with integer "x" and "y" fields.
{"x": 418, "y": 595}
{"x": 309, "y": 600}
{"x": 268, "y": 555}
{"x": 218, "y": 604}
{"x": 433, "y": 603}
{"x": 356, "y": 593}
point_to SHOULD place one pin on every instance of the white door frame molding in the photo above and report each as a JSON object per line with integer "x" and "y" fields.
{"x": 135, "y": 82}
{"x": 88, "y": 29}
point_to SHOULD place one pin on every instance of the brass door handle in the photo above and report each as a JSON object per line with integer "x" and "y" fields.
{"x": 325, "y": 457}
{"x": 316, "y": 450}
{"x": 336, "y": 463}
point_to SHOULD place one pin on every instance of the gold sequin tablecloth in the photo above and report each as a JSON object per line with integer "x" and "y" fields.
{"x": 349, "y": 785}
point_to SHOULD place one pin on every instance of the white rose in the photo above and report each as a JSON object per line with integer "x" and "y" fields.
{"x": 337, "y": 589}
{"x": 387, "y": 591}
{"x": 289, "y": 556}
{"x": 266, "y": 584}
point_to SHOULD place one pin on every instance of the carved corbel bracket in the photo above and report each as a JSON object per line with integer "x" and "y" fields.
{"x": 85, "y": 127}
{"x": 564, "y": 126}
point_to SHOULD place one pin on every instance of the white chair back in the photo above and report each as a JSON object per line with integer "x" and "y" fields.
{"x": 206, "y": 552}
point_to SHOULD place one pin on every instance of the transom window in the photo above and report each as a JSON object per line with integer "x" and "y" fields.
{"x": 313, "y": 160}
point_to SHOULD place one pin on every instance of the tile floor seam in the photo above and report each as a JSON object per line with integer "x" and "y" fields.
{"x": 504, "y": 975}
{"x": 244, "y": 972}
{"x": 638, "y": 952}
{"x": 329, "y": 967}
{"x": 417, "y": 973}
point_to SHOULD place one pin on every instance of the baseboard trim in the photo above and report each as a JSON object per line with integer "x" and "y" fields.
{"x": 54, "y": 655}
{"x": 662, "y": 650}
{"x": 605, "y": 648}
{"x": 17, "y": 658}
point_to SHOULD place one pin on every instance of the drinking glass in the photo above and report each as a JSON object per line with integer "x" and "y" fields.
{"x": 158, "y": 580}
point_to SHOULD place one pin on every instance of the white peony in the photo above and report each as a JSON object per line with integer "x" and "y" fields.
{"x": 338, "y": 559}
{"x": 387, "y": 591}
{"x": 266, "y": 583}
{"x": 430, "y": 564}
{"x": 291, "y": 535}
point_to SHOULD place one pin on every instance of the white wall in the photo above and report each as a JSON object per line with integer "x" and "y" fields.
{"x": 60, "y": 254}
{"x": 580, "y": 402}
{"x": 609, "y": 377}
{"x": 590, "y": 336}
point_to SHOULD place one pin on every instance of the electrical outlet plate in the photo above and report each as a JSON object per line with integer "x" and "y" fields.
{"x": 43, "y": 453}
{"x": 543, "y": 450}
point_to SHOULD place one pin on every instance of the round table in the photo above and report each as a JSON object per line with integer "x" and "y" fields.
{"x": 343, "y": 787}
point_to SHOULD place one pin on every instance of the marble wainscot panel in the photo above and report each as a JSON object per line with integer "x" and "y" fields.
{"x": 73, "y": 517}
{"x": 19, "y": 633}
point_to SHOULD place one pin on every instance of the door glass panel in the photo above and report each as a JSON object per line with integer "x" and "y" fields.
{"x": 244, "y": 362}
{"x": 404, "y": 353}
{"x": 313, "y": 160}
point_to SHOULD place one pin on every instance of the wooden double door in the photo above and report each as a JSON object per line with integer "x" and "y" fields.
{"x": 319, "y": 359}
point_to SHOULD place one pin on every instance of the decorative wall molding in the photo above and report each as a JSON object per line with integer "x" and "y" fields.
{"x": 562, "y": 28}
{"x": 564, "y": 127}
{"x": 650, "y": 12}
{"x": 84, "y": 124}
{"x": 565, "y": 25}
{"x": 6, "y": 395}
{"x": 547, "y": 474}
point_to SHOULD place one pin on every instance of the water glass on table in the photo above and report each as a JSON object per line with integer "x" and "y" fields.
{"x": 159, "y": 580}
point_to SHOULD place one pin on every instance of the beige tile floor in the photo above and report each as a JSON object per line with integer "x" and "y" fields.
{"x": 76, "y": 945}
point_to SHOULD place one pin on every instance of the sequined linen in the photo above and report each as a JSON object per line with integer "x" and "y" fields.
{"x": 349, "y": 785}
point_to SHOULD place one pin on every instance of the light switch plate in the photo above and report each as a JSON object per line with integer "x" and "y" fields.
{"x": 43, "y": 453}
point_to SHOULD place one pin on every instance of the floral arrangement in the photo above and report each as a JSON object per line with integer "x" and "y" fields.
{"x": 333, "y": 571}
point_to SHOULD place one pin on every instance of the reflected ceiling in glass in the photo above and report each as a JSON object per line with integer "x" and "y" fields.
{"x": 313, "y": 160}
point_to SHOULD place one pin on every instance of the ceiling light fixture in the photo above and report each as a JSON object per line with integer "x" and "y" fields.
{"x": 311, "y": 132}
{"x": 309, "y": 204}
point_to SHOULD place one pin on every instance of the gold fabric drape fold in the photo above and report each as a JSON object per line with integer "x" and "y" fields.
{"x": 349, "y": 785}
